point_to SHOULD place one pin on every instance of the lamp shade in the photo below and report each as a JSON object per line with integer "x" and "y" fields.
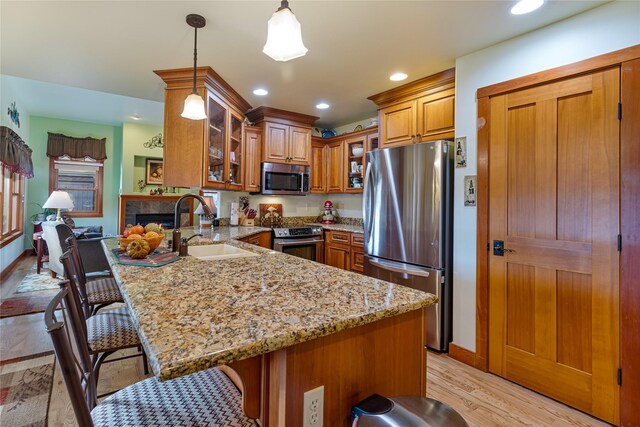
{"x": 59, "y": 200}
{"x": 194, "y": 108}
{"x": 284, "y": 36}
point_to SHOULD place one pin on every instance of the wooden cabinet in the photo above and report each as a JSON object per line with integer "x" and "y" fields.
{"x": 337, "y": 246}
{"x": 318, "y": 166}
{"x": 287, "y": 135}
{"x": 343, "y": 170}
{"x": 252, "y": 156}
{"x": 418, "y": 111}
{"x": 335, "y": 167}
{"x": 262, "y": 239}
{"x": 344, "y": 250}
{"x": 353, "y": 174}
{"x": 205, "y": 153}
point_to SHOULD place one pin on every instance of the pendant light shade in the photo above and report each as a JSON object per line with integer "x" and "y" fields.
{"x": 194, "y": 104}
{"x": 284, "y": 35}
{"x": 194, "y": 108}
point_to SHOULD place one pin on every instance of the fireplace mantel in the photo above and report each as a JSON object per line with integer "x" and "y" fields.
{"x": 142, "y": 203}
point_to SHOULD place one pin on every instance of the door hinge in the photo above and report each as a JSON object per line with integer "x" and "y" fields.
{"x": 619, "y": 242}
{"x": 619, "y": 110}
{"x": 619, "y": 376}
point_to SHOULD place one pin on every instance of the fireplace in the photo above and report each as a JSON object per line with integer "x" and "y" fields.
{"x": 144, "y": 209}
{"x": 164, "y": 219}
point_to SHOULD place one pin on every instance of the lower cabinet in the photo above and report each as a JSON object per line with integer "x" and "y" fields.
{"x": 344, "y": 250}
{"x": 262, "y": 239}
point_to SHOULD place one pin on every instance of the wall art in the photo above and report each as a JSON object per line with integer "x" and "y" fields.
{"x": 155, "y": 172}
{"x": 154, "y": 142}
{"x": 461, "y": 152}
{"x": 13, "y": 113}
{"x": 470, "y": 188}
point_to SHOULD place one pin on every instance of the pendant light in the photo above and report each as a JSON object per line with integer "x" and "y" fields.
{"x": 284, "y": 36}
{"x": 194, "y": 104}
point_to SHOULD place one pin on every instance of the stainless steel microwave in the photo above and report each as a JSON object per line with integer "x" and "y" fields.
{"x": 280, "y": 178}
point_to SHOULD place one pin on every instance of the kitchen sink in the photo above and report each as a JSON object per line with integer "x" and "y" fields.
{"x": 219, "y": 251}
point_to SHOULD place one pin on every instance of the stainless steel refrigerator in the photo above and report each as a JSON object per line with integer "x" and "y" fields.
{"x": 408, "y": 218}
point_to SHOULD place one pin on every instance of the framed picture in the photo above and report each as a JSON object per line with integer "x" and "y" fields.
{"x": 470, "y": 185}
{"x": 461, "y": 152}
{"x": 155, "y": 172}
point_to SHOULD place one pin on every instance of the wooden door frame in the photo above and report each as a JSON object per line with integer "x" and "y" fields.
{"x": 629, "y": 221}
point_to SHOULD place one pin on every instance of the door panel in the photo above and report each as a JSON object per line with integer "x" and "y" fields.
{"x": 275, "y": 144}
{"x": 398, "y": 124}
{"x": 300, "y": 148}
{"x": 554, "y": 201}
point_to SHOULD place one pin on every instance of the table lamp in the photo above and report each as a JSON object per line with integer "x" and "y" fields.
{"x": 59, "y": 200}
{"x": 205, "y": 219}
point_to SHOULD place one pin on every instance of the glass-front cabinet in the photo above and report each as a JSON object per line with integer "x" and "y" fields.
{"x": 354, "y": 167}
{"x": 225, "y": 147}
{"x": 209, "y": 153}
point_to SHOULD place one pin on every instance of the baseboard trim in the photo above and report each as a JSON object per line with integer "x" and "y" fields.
{"x": 13, "y": 264}
{"x": 463, "y": 355}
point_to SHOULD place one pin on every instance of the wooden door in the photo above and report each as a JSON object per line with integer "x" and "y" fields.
{"x": 335, "y": 167}
{"x": 276, "y": 140}
{"x": 554, "y": 201}
{"x": 337, "y": 256}
{"x": 398, "y": 124}
{"x": 436, "y": 115}
{"x": 318, "y": 167}
{"x": 299, "y": 145}
{"x": 253, "y": 142}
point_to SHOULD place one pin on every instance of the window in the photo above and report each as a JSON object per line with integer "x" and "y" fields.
{"x": 12, "y": 205}
{"x": 82, "y": 179}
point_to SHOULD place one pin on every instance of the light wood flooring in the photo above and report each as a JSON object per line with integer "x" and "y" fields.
{"x": 482, "y": 399}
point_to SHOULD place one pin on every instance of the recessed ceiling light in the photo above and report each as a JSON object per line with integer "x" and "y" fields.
{"x": 526, "y": 6}
{"x": 322, "y": 106}
{"x": 260, "y": 92}
{"x": 397, "y": 77}
{"x": 136, "y": 117}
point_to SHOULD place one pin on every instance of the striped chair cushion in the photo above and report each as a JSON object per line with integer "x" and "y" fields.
{"x": 112, "y": 329}
{"x": 103, "y": 291}
{"x": 206, "y": 398}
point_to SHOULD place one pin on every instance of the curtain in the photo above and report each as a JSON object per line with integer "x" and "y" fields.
{"x": 15, "y": 154}
{"x": 76, "y": 148}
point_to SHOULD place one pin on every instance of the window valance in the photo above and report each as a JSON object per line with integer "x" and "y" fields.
{"x": 76, "y": 148}
{"x": 15, "y": 154}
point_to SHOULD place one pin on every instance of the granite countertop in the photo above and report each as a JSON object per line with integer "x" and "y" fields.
{"x": 193, "y": 314}
{"x": 342, "y": 227}
{"x": 217, "y": 234}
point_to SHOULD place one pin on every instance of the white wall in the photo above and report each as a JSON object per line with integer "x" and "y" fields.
{"x": 607, "y": 28}
{"x": 8, "y": 95}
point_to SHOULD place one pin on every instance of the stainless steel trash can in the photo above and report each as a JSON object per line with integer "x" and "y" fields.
{"x": 405, "y": 411}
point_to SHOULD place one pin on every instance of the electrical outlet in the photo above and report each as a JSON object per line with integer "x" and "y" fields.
{"x": 314, "y": 408}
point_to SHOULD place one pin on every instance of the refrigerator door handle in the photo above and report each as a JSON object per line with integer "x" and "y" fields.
{"x": 399, "y": 268}
{"x": 367, "y": 199}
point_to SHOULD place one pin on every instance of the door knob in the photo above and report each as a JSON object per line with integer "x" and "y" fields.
{"x": 499, "y": 249}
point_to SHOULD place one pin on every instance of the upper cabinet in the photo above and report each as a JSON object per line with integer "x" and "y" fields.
{"x": 252, "y": 156}
{"x": 418, "y": 111}
{"x": 339, "y": 163}
{"x": 287, "y": 135}
{"x": 318, "y": 166}
{"x": 205, "y": 153}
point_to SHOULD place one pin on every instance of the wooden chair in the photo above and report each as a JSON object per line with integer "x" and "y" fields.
{"x": 102, "y": 333}
{"x": 206, "y": 398}
{"x": 100, "y": 291}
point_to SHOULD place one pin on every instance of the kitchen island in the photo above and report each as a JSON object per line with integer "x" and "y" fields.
{"x": 285, "y": 325}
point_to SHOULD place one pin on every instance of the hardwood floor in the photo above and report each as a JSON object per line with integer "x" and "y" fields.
{"x": 485, "y": 399}
{"x": 482, "y": 399}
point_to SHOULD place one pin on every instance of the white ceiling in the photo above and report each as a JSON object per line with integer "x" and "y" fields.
{"x": 113, "y": 47}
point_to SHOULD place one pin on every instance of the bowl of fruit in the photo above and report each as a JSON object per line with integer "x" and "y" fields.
{"x": 151, "y": 234}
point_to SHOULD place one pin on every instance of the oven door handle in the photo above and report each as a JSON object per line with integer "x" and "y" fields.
{"x": 296, "y": 242}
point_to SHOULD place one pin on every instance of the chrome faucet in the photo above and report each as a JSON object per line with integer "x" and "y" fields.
{"x": 177, "y": 234}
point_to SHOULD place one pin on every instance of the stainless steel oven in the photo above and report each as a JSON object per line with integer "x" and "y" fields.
{"x": 303, "y": 242}
{"x": 278, "y": 178}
